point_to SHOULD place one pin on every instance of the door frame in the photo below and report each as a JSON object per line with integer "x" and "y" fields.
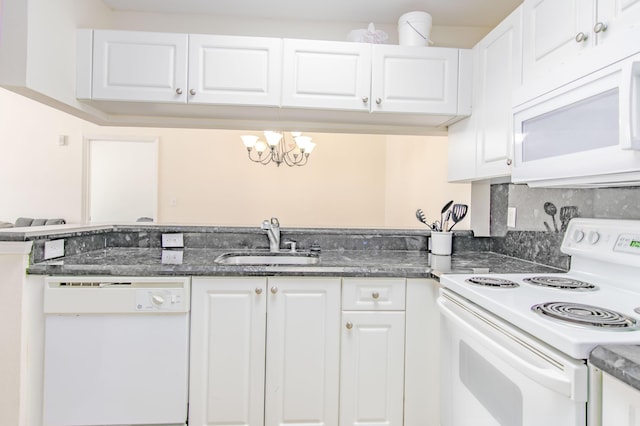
{"x": 86, "y": 150}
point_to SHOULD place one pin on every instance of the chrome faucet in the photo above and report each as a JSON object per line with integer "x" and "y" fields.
{"x": 273, "y": 232}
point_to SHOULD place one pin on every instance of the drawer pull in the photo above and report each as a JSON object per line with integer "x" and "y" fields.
{"x": 375, "y": 295}
{"x": 274, "y": 290}
{"x": 349, "y": 325}
{"x": 258, "y": 290}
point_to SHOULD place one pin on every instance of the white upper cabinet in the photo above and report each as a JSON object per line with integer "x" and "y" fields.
{"x": 413, "y": 79}
{"x": 375, "y": 78}
{"x": 552, "y": 31}
{"x": 326, "y": 75}
{"x": 481, "y": 146}
{"x": 567, "y": 39}
{"x": 139, "y": 66}
{"x": 234, "y": 70}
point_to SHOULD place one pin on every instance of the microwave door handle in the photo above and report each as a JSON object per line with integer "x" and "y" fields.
{"x": 551, "y": 378}
{"x": 630, "y": 107}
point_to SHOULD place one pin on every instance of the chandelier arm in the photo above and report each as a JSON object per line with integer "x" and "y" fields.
{"x": 262, "y": 160}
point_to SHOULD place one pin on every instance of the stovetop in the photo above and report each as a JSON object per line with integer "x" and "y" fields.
{"x": 603, "y": 282}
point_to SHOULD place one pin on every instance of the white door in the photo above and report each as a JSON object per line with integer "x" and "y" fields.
{"x": 372, "y": 369}
{"x": 234, "y": 70}
{"x": 500, "y": 71}
{"x": 327, "y": 75}
{"x": 550, "y": 29}
{"x": 620, "y": 403}
{"x": 303, "y": 353}
{"x": 122, "y": 180}
{"x": 228, "y": 317}
{"x": 414, "y": 80}
{"x": 139, "y": 66}
{"x": 619, "y": 16}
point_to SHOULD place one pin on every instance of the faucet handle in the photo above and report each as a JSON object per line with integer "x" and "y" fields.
{"x": 265, "y": 224}
{"x": 275, "y": 221}
{"x": 292, "y": 244}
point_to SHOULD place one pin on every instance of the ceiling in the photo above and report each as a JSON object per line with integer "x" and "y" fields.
{"x": 485, "y": 13}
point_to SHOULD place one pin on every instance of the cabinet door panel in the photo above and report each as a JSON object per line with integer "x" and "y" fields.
{"x": 415, "y": 80}
{"x": 550, "y": 30}
{"x": 139, "y": 66}
{"x": 303, "y": 351}
{"x": 322, "y": 74}
{"x": 500, "y": 56}
{"x": 372, "y": 368}
{"x": 620, "y": 16}
{"x": 234, "y": 70}
{"x": 227, "y": 352}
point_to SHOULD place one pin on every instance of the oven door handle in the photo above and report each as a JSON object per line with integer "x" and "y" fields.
{"x": 551, "y": 378}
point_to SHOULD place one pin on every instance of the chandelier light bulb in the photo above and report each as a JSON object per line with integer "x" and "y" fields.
{"x": 277, "y": 150}
{"x": 249, "y": 141}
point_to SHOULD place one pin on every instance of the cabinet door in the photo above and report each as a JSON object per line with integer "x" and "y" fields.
{"x": 228, "y": 318}
{"x": 550, "y": 31}
{"x": 414, "y": 80}
{"x": 327, "y": 75}
{"x": 500, "y": 72}
{"x": 622, "y": 19}
{"x": 372, "y": 368}
{"x": 139, "y": 66}
{"x": 620, "y": 403}
{"x": 234, "y": 70}
{"x": 303, "y": 353}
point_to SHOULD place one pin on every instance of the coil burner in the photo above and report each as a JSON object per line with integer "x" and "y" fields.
{"x": 585, "y": 315}
{"x": 492, "y": 282}
{"x": 563, "y": 283}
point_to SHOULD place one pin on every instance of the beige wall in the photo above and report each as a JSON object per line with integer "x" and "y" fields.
{"x": 350, "y": 181}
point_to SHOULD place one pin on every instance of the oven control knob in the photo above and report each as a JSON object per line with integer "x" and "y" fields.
{"x": 578, "y": 235}
{"x": 594, "y": 237}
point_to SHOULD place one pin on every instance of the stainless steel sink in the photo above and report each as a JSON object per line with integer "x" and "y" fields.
{"x": 267, "y": 258}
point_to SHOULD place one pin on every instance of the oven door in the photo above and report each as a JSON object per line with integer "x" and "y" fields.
{"x": 494, "y": 374}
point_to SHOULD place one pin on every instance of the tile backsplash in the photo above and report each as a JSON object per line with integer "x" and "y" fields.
{"x": 531, "y": 214}
{"x": 534, "y": 237}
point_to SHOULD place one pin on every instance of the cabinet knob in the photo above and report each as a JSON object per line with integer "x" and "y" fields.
{"x": 509, "y": 161}
{"x": 599, "y": 27}
{"x": 375, "y": 294}
{"x": 378, "y": 101}
{"x": 365, "y": 100}
{"x": 258, "y": 290}
{"x": 192, "y": 92}
{"x": 349, "y": 325}
{"x": 179, "y": 91}
{"x": 580, "y": 37}
{"x": 274, "y": 290}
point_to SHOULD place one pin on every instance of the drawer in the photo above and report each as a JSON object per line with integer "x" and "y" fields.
{"x": 373, "y": 294}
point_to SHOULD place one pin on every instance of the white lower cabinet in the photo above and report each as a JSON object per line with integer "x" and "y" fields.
{"x": 620, "y": 403}
{"x": 237, "y": 324}
{"x": 372, "y": 361}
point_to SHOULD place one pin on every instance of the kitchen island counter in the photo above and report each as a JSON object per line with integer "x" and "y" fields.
{"x": 361, "y": 263}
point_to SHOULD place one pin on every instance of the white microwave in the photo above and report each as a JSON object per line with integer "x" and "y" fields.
{"x": 583, "y": 134}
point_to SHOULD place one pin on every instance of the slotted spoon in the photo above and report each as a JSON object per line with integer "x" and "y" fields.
{"x": 458, "y": 212}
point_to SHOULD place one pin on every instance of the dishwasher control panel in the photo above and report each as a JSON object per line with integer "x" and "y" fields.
{"x": 159, "y": 300}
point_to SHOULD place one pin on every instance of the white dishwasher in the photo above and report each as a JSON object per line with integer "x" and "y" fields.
{"x": 116, "y": 351}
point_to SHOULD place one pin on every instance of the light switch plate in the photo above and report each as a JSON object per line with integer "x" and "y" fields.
{"x": 511, "y": 217}
{"x": 172, "y": 240}
{"x": 54, "y": 248}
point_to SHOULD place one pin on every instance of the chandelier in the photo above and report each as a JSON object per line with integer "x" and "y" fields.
{"x": 277, "y": 150}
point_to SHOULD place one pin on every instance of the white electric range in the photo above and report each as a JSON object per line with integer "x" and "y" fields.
{"x": 527, "y": 336}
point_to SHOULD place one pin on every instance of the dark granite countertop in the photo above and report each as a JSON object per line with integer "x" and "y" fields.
{"x": 365, "y": 263}
{"x": 620, "y": 361}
